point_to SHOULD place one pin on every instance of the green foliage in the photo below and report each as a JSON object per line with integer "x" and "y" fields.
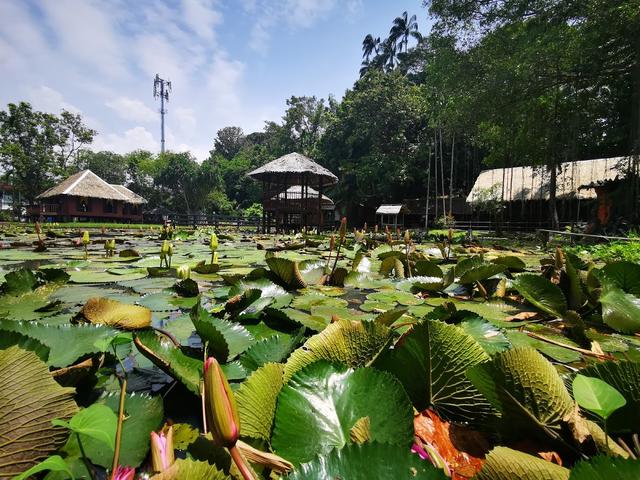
{"x": 320, "y": 404}
{"x": 363, "y": 462}
{"x": 29, "y": 401}
{"x": 541, "y": 293}
{"x": 430, "y": 361}
{"x": 597, "y": 396}
{"x": 503, "y": 463}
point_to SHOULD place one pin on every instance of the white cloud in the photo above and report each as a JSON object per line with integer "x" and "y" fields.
{"x": 201, "y": 17}
{"x": 132, "y": 139}
{"x": 132, "y": 109}
{"x": 49, "y": 100}
{"x": 304, "y": 13}
{"x": 297, "y": 14}
{"x": 86, "y": 32}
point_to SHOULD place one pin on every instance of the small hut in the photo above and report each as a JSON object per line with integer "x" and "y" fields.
{"x": 392, "y": 215}
{"x": 85, "y": 196}
{"x": 292, "y": 192}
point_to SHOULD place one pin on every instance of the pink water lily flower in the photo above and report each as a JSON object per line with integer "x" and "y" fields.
{"x": 125, "y": 473}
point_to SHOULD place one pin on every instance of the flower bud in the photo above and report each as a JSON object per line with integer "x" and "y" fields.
{"x": 213, "y": 243}
{"x": 170, "y": 251}
{"x": 162, "y": 455}
{"x": 332, "y": 243}
{"x": 220, "y": 406}
{"x": 125, "y": 473}
{"x": 184, "y": 272}
{"x": 85, "y": 238}
{"x": 165, "y": 247}
{"x": 407, "y": 237}
{"x": 343, "y": 229}
{"x": 38, "y": 228}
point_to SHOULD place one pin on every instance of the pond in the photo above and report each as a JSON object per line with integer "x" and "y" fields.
{"x": 345, "y": 354}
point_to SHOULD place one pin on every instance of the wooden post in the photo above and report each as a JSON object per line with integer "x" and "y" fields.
{"x": 320, "y": 219}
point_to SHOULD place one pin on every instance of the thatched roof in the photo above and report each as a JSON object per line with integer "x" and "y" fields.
{"x": 294, "y": 163}
{"x": 295, "y": 192}
{"x": 133, "y": 197}
{"x": 88, "y": 184}
{"x": 532, "y": 183}
{"x": 391, "y": 209}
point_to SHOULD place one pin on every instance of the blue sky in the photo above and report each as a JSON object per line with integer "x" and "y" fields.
{"x": 231, "y": 62}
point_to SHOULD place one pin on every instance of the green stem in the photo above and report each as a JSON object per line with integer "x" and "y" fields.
{"x": 335, "y": 263}
{"x": 86, "y": 461}
{"x": 240, "y": 462}
{"x": 116, "y": 453}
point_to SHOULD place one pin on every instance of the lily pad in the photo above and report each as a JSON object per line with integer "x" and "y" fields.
{"x": 321, "y": 403}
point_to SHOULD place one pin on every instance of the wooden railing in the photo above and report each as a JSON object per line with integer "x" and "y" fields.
{"x": 205, "y": 220}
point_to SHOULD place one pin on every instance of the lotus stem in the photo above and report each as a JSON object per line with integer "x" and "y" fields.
{"x": 86, "y": 461}
{"x": 241, "y": 463}
{"x": 116, "y": 452}
{"x": 583, "y": 351}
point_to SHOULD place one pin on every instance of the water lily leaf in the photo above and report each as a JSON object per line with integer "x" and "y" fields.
{"x": 392, "y": 266}
{"x": 541, "y": 293}
{"x": 624, "y": 377}
{"x": 191, "y": 469}
{"x": 352, "y": 343}
{"x": 314, "y": 322}
{"x": 95, "y": 424}
{"x": 621, "y": 311}
{"x": 66, "y": 343}
{"x": 363, "y": 280}
{"x": 575, "y": 294}
{"x": 287, "y": 272}
{"x": 368, "y": 461}
{"x": 605, "y": 467}
{"x": 226, "y": 339}
{"x": 556, "y": 352}
{"x": 29, "y": 400}
{"x": 186, "y": 288}
{"x": 626, "y": 275}
{"x": 309, "y": 300}
{"x": 430, "y": 361}
{"x": 54, "y": 463}
{"x": 503, "y": 463}
{"x": 597, "y": 396}
{"x": 491, "y": 339}
{"x": 100, "y": 310}
{"x": 427, "y": 268}
{"x": 170, "y": 359}
{"x": 256, "y": 399}
{"x": 20, "y": 281}
{"x": 273, "y": 349}
{"x": 513, "y": 263}
{"x": 527, "y": 391}
{"x": 143, "y": 414}
{"x": 480, "y": 272}
{"x": 93, "y": 276}
{"x": 8, "y": 339}
{"x": 321, "y": 403}
{"x": 395, "y": 296}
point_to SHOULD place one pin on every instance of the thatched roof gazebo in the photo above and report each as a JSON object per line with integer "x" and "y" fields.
{"x": 86, "y": 195}
{"x": 292, "y": 192}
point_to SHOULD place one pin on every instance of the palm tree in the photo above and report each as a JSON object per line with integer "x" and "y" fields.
{"x": 387, "y": 56}
{"x": 370, "y": 45}
{"x": 403, "y": 28}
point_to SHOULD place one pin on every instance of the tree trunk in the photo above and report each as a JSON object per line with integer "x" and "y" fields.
{"x": 553, "y": 207}
{"x": 453, "y": 142}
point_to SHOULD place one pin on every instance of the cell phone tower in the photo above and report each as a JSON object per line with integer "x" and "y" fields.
{"x": 161, "y": 89}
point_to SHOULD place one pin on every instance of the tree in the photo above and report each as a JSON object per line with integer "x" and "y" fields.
{"x": 375, "y": 141}
{"x": 109, "y": 166}
{"x": 36, "y": 146}
{"x": 182, "y": 178}
{"x": 229, "y": 141}
{"x": 369, "y": 46}
{"x": 404, "y": 27}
